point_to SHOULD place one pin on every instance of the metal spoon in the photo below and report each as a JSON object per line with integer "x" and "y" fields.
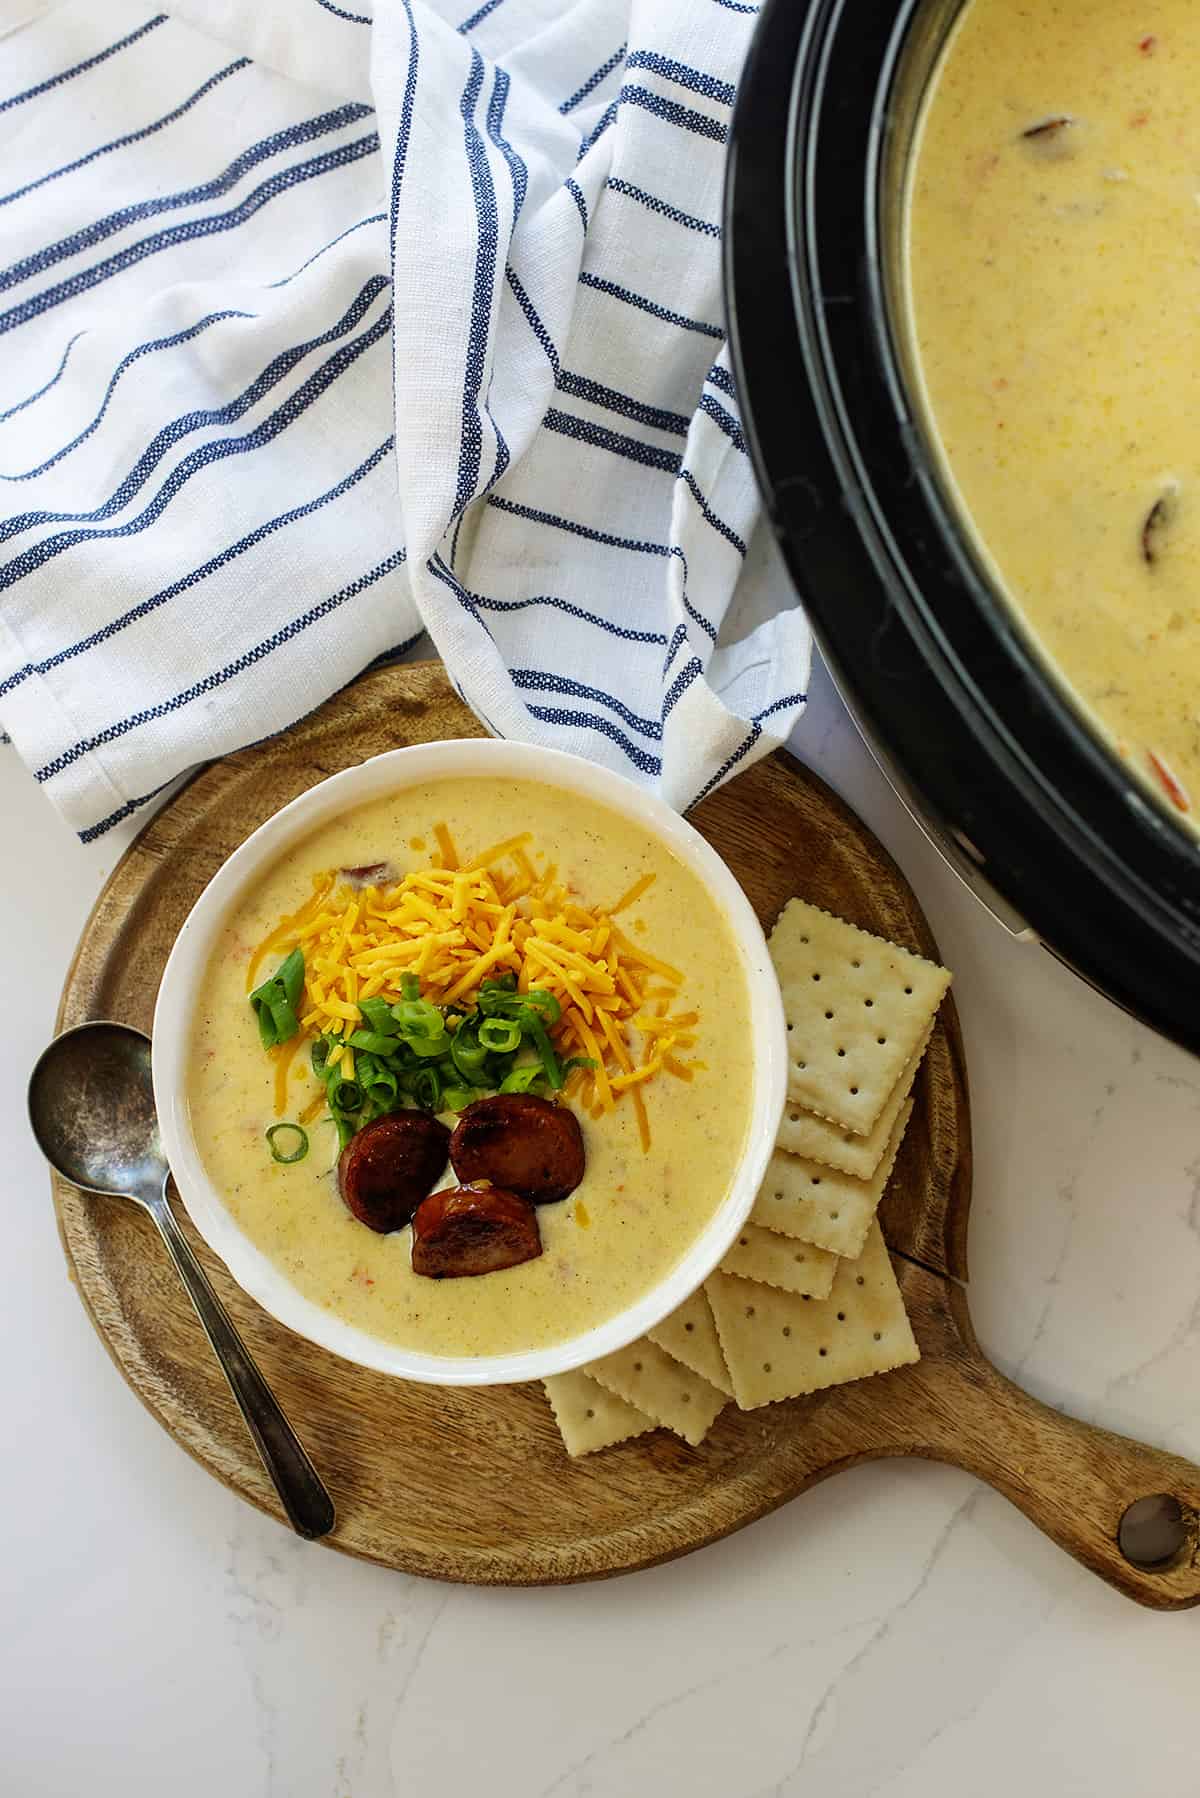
{"x": 91, "y": 1103}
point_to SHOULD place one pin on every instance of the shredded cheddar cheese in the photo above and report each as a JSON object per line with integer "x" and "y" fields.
{"x": 463, "y": 920}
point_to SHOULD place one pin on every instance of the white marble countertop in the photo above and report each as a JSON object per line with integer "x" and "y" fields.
{"x": 900, "y": 1631}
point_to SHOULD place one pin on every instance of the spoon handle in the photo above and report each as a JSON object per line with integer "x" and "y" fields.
{"x": 303, "y": 1496}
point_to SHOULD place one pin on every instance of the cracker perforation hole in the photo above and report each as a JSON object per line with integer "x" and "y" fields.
{"x": 689, "y": 1326}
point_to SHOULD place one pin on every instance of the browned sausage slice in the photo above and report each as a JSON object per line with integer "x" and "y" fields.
{"x": 389, "y": 1165}
{"x": 467, "y": 1230}
{"x": 521, "y": 1142}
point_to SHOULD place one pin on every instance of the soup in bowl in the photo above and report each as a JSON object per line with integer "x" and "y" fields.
{"x": 469, "y": 1062}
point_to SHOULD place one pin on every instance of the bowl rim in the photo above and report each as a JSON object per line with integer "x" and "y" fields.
{"x": 395, "y": 769}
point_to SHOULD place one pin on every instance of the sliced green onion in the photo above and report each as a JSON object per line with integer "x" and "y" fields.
{"x": 468, "y": 1054}
{"x": 457, "y": 1098}
{"x": 538, "y": 1000}
{"x": 287, "y": 1143}
{"x": 496, "y": 996}
{"x": 345, "y": 1095}
{"x": 319, "y": 1056}
{"x": 274, "y": 1001}
{"x": 427, "y": 1088}
{"x": 577, "y": 1061}
{"x": 422, "y": 1026}
{"x": 545, "y": 1048}
{"x": 410, "y": 986}
{"x": 345, "y": 1128}
{"x": 373, "y": 1041}
{"x": 500, "y": 1035}
{"x": 378, "y": 1081}
{"x": 378, "y": 1014}
{"x": 417, "y": 1017}
{"x": 524, "y": 1078}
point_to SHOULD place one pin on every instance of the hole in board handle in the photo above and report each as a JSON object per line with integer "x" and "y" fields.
{"x": 1153, "y": 1532}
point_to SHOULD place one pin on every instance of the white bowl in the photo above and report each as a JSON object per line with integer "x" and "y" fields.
{"x": 189, "y": 958}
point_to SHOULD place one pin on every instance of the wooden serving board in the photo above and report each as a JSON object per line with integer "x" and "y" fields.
{"x": 424, "y": 1477}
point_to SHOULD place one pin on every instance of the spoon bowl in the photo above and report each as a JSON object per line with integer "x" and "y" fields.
{"x": 91, "y": 1105}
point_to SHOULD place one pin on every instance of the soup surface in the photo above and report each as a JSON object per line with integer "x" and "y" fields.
{"x": 636, "y": 1211}
{"x": 1053, "y": 257}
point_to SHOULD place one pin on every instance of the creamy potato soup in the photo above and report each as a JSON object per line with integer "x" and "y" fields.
{"x": 1053, "y": 254}
{"x": 655, "y": 1169}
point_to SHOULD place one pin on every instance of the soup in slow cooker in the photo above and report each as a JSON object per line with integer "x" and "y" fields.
{"x": 1053, "y": 237}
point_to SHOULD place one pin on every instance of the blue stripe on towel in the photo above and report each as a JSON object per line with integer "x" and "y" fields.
{"x": 143, "y": 349}
{"x": 649, "y": 764}
{"x": 225, "y": 556}
{"x": 372, "y": 218}
{"x": 535, "y": 324}
{"x": 582, "y": 388}
{"x": 487, "y": 242}
{"x": 479, "y": 15}
{"x": 208, "y": 225}
{"x": 100, "y": 229}
{"x": 495, "y": 122}
{"x": 339, "y": 12}
{"x": 661, "y": 207}
{"x": 684, "y": 118}
{"x": 132, "y": 137}
{"x": 691, "y": 671}
{"x": 616, "y": 292}
{"x": 576, "y": 192}
{"x": 122, "y": 812}
{"x": 580, "y": 530}
{"x": 217, "y": 450}
{"x": 726, "y": 420}
{"x": 683, "y": 76}
{"x": 730, "y": 763}
{"x": 718, "y": 524}
{"x": 80, "y": 68}
{"x": 197, "y": 420}
{"x": 210, "y": 682}
{"x": 538, "y": 680}
{"x": 650, "y": 455}
{"x": 45, "y": 388}
{"x": 486, "y": 604}
{"x": 404, "y": 129}
{"x": 594, "y": 81}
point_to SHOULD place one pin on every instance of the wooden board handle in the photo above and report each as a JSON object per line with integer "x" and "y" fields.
{"x": 1076, "y": 1482}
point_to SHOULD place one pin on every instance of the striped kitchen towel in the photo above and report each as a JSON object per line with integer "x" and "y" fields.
{"x": 325, "y": 335}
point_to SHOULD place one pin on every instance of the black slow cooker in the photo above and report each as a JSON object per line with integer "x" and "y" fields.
{"x": 984, "y": 743}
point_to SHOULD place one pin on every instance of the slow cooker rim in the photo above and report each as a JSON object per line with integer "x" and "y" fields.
{"x": 823, "y": 516}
